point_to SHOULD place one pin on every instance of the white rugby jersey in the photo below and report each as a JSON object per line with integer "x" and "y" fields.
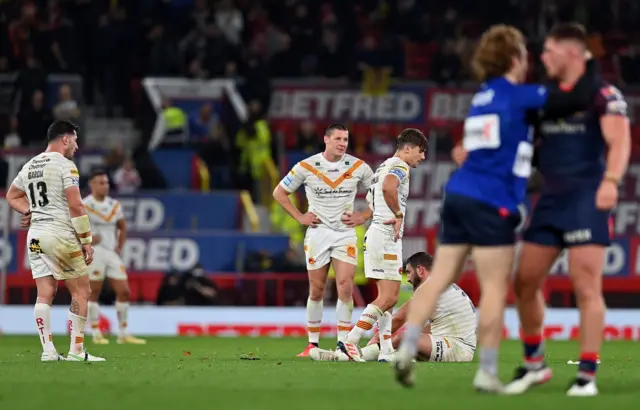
{"x": 331, "y": 187}
{"x": 104, "y": 216}
{"x": 44, "y": 179}
{"x": 455, "y": 316}
{"x": 381, "y": 211}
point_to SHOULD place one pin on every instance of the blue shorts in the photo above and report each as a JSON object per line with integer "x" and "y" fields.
{"x": 465, "y": 220}
{"x": 568, "y": 219}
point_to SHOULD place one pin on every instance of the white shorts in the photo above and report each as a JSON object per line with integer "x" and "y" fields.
{"x": 322, "y": 243}
{"x": 449, "y": 349}
{"x": 57, "y": 256}
{"x": 107, "y": 264}
{"x": 382, "y": 256}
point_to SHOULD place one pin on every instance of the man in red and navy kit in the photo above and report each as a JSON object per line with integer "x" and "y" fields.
{"x": 582, "y": 158}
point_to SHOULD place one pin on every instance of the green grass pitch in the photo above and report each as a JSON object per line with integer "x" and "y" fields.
{"x": 208, "y": 373}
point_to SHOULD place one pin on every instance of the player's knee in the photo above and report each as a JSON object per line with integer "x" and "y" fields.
{"x": 124, "y": 295}
{"x": 386, "y": 302}
{"x": 316, "y": 291}
{"x": 345, "y": 289}
{"x": 46, "y": 294}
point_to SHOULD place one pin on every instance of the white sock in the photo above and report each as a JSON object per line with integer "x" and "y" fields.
{"x": 384, "y": 324}
{"x": 370, "y": 353}
{"x": 94, "y": 316}
{"x": 344, "y": 312}
{"x": 77, "y": 325}
{"x": 122, "y": 311}
{"x": 369, "y": 316}
{"x": 314, "y": 320}
{"x": 42, "y": 314}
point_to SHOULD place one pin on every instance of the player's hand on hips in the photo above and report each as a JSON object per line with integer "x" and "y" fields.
{"x": 397, "y": 224}
{"x": 607, "y": 195}
{"x": 352, "y": 219}
{"x": 309, "y": 219}
{"x": 87, "y": 251}
{"x": 25, "y": 220}
{"x": 118, "y": 251}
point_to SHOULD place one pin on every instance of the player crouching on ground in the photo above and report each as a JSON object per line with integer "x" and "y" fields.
{"x": 449, "y": 337}
{"x": 109, "y": 237}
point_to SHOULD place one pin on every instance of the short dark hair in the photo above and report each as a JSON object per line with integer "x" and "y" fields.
{"x": 60, "y": 128}
{"x": 97, "y": 172}
{"x": 419, "y": 259}
{"x": 334, "y": 127}
{"x": 569, "y": 31}
{"x": 414, "y": 137}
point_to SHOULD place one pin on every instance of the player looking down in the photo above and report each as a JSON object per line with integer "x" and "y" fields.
{"x": 480, "y": 207}
{"x": 331, "y": 181}
{"x": 109, "y": 236}
{"x": 449, "y": 337}
{"x": 579, "y": 190}
{"x": 387, "y": 199}
{"x": 59, "y": 240}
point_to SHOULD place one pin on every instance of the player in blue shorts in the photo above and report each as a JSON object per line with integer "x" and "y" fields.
{"x": 582, "y": 159}
{"x": 480, "y": 208}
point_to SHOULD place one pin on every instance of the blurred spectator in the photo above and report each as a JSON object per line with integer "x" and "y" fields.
{"x": 628, "y": 62}
{"x": 202, "y": 123}
{"x": 216, "y": 153}
{"x": 285, "y": 62}
{"x": 171, "y": 291}
{"x": 12, "y": 139}
{"x": 66, "y": 108}
{"x": 164, "y": 55}
{"x": 308, "y": 139}
{"x": 229, "y": 20}
{"x": 34, "y": 121}
{"x": 333, "y": 58}
{"x": 30, "y": 79}
{"x": 254, "y": 143}
{"x": 446, "y": 66}
{"x": 199, "y": 289}
{"x": 126, "y": 178}
{"x": 175, "y": 122}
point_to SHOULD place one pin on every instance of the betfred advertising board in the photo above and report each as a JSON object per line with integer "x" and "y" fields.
{"x": 560, "y": 324}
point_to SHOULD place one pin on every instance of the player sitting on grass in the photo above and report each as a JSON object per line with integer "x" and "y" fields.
{"x": 449, "y": 337}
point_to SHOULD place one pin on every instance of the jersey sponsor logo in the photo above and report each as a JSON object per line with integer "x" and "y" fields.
{"x": 399, "y": 172}
{"x": 483, "y": 98}
{"x": 287, "y": 180}
{"x": 482, "y": 132}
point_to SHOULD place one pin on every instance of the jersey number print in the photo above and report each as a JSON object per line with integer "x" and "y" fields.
{"x": 40, "y": 189}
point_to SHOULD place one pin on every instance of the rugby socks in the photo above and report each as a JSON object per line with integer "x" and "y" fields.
{"x": 314, "y": 320}
{"x": 533, "y": 352}
{"x": 370, "y": 353}
{"x": 77, "y": 325}
{"x": 489, "y": 360}
{"x": 94, "y": 316}
{"x": 122, "y": 311}
{"x": 344, "y": 312}
{"x": 588, "y": 366}
{"x": 410, "y": 338}
{"x": 370, "y": 316}
{"x": 384, "y": 324}
{"x": 42, "y": 314}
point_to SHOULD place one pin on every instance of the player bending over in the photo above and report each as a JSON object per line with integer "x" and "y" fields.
{"x": 449, "y": 337}
{"x": 59, "y": 238}
{"x": 572, "y": 211}
{"x": 387, "y": 199}
{"x": 480, "y": 207}
{"x": 109, "y": 236}
{"x": 331, "y": 181}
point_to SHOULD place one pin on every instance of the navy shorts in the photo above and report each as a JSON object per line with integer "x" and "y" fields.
{"x": 568, "y": 219}
{"x": 465, "y": 220}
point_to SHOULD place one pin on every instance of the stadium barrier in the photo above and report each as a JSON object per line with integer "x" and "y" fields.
{"x": 560, "y": 324}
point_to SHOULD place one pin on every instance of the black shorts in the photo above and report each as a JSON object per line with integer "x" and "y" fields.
{"x": 465, "y": 220}
{"x": 568, "y": 219}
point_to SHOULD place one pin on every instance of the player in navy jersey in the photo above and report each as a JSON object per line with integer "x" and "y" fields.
{"x": 480, "y": 208}
{"x": 582, "y": 159}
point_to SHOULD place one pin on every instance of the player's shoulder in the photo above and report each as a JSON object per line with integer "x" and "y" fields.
{"x": 350, "y": 161}
{"x": 397, "y": 162}
{"x": 312, "y": 161}
{"x": 112, "y": 201}
{"x": 88, "y": 200}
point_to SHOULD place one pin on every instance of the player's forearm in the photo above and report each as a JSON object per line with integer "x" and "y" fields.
{"x": 390, "y": 196}
{"x": 618, "y": 157}
{"x": 367, "y": 213}
{"x": 282, "y": 196}
{"x": 399, "y": 317}
{"x": 19, "y": 204}
{"x": 122, "y": 234}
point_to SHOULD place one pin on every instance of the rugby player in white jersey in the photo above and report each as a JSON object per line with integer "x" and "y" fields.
{"x": 59, "y": 240}
{"x": 387, "y": 198}
{"x": 331, "y": 181}
{"x": 109, "y": 236}
{"x": 449, "y": 337}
